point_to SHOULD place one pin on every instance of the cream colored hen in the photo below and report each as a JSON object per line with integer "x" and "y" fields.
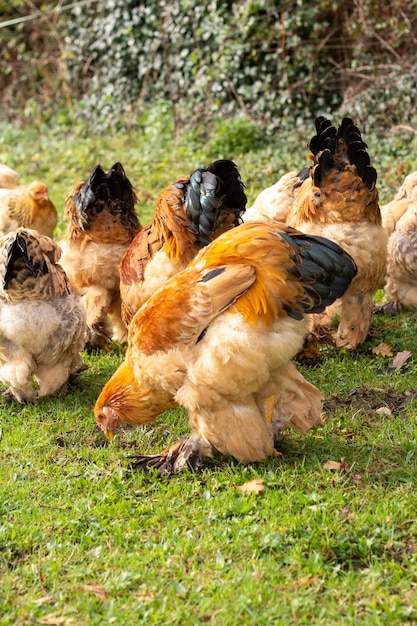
{"x": 399, "y": 218}
{"x": 8, "y": 177}
{"x": 275, "y": 202}
{"x": 42, "y": 322}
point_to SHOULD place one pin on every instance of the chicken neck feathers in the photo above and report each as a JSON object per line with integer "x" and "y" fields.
{"x": 102, "y": 207}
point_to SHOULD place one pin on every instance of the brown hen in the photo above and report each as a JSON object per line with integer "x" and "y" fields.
{"x": 340, "y": 201}
{"x": 101, "y": 225}
{"x": 188, "y": 215}
{"x": 27, "y": 206}
{"x": 42, "y": 321}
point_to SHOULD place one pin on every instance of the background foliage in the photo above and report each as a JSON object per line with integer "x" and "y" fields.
{"x": 278, "y": 63}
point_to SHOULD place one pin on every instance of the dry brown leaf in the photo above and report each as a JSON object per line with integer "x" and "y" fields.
{"x": 332, "y": 465}
{"x": 336, "y": 465}
{"x": 357, "y": 479}
{"x": 45, "y": 600}
{"x": 383, "y": 349}
{"x": 400, "y": 358}
{"x": 98, "y": 591}
{"x": 253, "y": 486}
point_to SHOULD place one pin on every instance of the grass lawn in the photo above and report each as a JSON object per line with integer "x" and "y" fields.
{"x": 331, "y": 540}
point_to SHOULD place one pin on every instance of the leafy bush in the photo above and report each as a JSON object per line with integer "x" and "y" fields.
{"x": 277, "y": 66}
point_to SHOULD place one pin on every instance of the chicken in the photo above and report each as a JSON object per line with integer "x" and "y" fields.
{"x": 188, "y": 215}
{"x": 101, "y": 225}
{"x": 218, "y": 339}
{"x": 42, "y": 321}
{"x": 340, "y": 202}
{"x": 394, "y": 210}
{"x": 399, "y": 218}
{"x": 275, "y": 202}
{"x": 27, "y": 206}
{"x": 8, "y": 177}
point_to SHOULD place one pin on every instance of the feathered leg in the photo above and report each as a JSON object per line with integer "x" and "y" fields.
{"x": 288, "y": 400}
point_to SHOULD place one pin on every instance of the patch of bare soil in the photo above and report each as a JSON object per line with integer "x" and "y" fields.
{"x": 370, "y": 400}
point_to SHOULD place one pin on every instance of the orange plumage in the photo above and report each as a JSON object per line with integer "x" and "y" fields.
{"x": 188, "y": 215}
{"x": 102, "y": 222}
{"x": 218, "y": 339}
{"x": 340, "y": 201}
{"x": 27, "y": 206}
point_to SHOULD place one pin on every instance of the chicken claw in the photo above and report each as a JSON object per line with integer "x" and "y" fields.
{"x": 185, "y": 452}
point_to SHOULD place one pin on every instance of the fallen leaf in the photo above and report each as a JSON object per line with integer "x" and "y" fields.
{"x": 400, "y": 358}
{"x": 332, "y": 465}
{"x": 145, "y": 596}
{"x": 357, "y": 479}
{"x": 383, "y": 349}
{"x": 344, "y": 465}
{"x": 411, "y": 547}
{"x": 337, "y": 465}
{"x": 98, "y": 591}
{"x": 253, "y": 486}
{"x": 45, "y": 600}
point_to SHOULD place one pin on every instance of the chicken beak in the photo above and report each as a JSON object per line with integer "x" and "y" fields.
{"x": 109, "y": 434}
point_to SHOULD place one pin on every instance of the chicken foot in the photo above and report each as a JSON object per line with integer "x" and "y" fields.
{"x": 185, "y": 452}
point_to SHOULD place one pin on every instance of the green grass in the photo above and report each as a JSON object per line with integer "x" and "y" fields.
{"x": 86, "y": 540}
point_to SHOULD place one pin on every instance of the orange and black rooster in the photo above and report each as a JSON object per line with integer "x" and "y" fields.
{"x": 218, "y": 339}
{"x": 188, "y": 215}
{"x": 101, "y": 225}
{"x": 340, "y": 202}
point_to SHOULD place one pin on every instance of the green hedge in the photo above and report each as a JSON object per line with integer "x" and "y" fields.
{"x": 278, "y": 63}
